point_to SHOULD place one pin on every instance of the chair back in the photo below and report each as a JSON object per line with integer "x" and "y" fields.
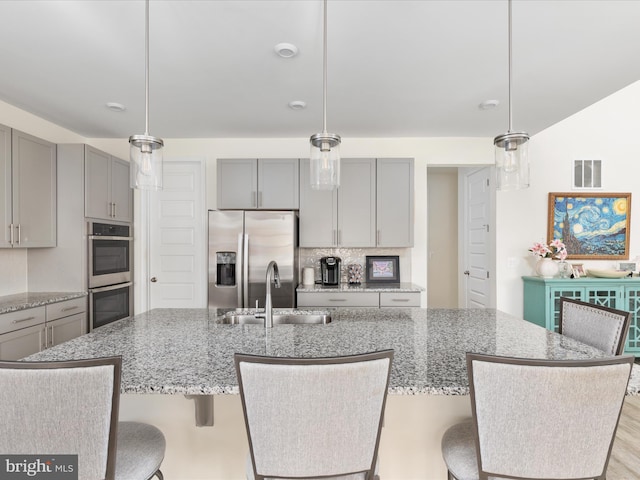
{"x": 308, "y": 418}
{"x": 541, "y": 419}
{"x": 55, "y": 408}
{"x": 601, "y": 327}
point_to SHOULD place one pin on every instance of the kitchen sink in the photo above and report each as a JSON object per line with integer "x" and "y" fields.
{"x": 233, "y": 318}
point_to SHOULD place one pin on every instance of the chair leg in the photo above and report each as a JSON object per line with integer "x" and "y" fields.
{"x": 158, "y": 474}
{"x": 450, "y": 476}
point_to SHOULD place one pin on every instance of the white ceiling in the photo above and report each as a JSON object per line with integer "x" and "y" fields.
{"x": 396, "y": 68}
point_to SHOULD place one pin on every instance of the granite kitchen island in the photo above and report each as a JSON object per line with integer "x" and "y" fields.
{"x": 188, "y": 351}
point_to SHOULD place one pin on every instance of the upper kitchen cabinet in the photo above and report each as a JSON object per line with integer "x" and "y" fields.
{"x": 28, "y": 176}
{"x": 373, "y": 207}
{"x": 108, "y": 195}
{"x": 394, "y": 204}
{"x": 263, "y": 184}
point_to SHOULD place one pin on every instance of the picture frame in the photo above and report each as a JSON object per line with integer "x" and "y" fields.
{"x": 593, "y": 226}
{"x": 383, "y": 269}
{"x": 628, "y": 266}
{"x": 578, "y": 270}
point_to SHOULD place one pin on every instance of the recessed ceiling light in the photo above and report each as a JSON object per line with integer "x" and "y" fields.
{"x": 116, "y": 107}
{"x": 297, "y": 105}
{"x": 286, "y": 50}
{"x": 489, "y": 104}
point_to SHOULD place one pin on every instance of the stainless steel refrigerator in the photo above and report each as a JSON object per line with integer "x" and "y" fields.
{"x": 241, "y": 245}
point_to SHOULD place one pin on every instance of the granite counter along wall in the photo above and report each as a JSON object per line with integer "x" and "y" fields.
{"x": 310, "y": 257}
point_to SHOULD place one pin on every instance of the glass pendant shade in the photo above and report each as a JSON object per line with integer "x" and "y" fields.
{"x": 325, "y": 161}
{"x": 146, "y": 162}
{"x": 512, "y": 161}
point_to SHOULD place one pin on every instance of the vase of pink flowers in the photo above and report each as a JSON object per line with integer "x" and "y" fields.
{"x": 546, "y": 266}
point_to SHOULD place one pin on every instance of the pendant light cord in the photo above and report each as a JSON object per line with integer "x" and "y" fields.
{"x": 146, "y": 68}
{"x": 324, "y": 70}
{"x": 510, "y": 113}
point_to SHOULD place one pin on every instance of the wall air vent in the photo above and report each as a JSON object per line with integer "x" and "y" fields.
{"x": 587, "y": 174}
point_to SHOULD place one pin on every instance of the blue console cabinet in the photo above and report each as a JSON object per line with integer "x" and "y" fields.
{"x": 542, "y": 300}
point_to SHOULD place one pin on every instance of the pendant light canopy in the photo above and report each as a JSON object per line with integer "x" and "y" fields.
{"x": 511, "y": 148}
{"x": 325, "y": 147}
{"x": 146, "y": 150}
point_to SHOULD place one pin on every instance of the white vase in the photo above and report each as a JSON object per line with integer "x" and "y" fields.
{"x": 546, "y": 268}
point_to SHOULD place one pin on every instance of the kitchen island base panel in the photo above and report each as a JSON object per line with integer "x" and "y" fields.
{"x": 219, "y": 452}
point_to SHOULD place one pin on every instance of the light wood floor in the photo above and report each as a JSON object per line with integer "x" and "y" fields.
{"x": 625, "y": 456}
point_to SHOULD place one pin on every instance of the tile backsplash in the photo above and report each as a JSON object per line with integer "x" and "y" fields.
{"x": 310, "y": 257}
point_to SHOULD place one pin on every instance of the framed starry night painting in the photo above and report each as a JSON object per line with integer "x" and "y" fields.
{"x": 593, "y": 226}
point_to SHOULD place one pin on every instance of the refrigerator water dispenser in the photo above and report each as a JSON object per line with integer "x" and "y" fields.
{"x": 226, "y": 268}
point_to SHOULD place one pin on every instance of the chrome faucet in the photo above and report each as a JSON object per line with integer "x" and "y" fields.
{"x": 272, "y": 275}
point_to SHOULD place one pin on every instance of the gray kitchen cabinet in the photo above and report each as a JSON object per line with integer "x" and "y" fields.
{"x": 373, "y": 207}
{"x": 65, "y": 321}
{"x": 28, "y": 331}
{"x": 318, "y": 219}
{"x": 263, "y": 184}
{"x": 357, "y": 203}
{"x": 324, "y": 299}
{"x": 22, "y": 333}
{"x": 394, "y": 202}
{"x": 28, "y": 166}
{"x": 108, "y": 195}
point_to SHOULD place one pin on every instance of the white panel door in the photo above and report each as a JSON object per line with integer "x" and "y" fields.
{"x": 178, "y": 263}
{"x": 477, "y": 249}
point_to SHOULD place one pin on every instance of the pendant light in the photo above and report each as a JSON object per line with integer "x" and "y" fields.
{"x": 145, "y": 150}
{"x": 325, "y": 147}
{"x": 511, "y": 148}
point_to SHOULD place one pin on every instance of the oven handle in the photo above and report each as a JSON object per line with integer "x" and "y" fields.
{"x": 102, "y": 237}
{"x": 110, "y": 287}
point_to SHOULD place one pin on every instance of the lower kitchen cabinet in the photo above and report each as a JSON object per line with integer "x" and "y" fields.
{"x": 25, "y": 332}
{"x": 325, "y": 299}
{"x": 66, "y": 320}
{"x": 542, "y": 300}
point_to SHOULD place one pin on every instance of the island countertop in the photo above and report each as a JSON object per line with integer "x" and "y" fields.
{"x": 186, "y": 351}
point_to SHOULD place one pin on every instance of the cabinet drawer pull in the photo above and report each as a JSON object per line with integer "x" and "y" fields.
{"x": 399, "y": 299}
{"x": 337, "y": 299}
{"x": 69, "y": 309}
{"x": 24, "y": 320}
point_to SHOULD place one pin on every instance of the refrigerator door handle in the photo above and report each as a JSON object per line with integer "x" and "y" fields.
{"x": 245, "y": 272}
{"x": 240, "y": 266}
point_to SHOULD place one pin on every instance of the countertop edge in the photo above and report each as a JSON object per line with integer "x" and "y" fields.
{"x": 24, "y": 301}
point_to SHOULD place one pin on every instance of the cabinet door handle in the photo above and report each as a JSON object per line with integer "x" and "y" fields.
{"x": 378, "y": 237}
{"x": 50, "y": 336}
{"x": 109, "y": 208}
{"x": 254, "y": 199}
{"x": 115, "y": 209}
{"x": 11, "y": 234}
{"x": 339, "y": 235}
{"x": 334, "y": 237}
{"x": 67, "y": 309}
{"x": 23, "y": 320}
{"x": 19, "y": 235}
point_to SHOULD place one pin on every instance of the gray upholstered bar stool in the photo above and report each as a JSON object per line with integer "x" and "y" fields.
{"x": 538, "y": 419}
{"x": 72, "y": 408}
{"x": 601, "y": 327}
{"x": 310, "y": 418}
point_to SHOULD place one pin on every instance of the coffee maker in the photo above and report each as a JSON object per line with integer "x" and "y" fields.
{"x": 330, "y": 270}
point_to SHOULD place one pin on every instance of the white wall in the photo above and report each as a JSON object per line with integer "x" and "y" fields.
{"x": 608, "y": 130}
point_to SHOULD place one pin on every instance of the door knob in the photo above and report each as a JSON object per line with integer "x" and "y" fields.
{"x": 466, "y": 272}
{"x": 154, "y": 279}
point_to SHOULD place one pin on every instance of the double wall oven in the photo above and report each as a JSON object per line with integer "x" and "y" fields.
{"x": 110, "y": 273}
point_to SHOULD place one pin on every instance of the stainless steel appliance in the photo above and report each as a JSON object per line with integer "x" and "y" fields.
{"x": 111, "y": 303}
{"x": 110, "y": 250}
{"x": 330, "y": 270}
{"x": 110, "y": 266}
{"x": 241, "y": 245}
